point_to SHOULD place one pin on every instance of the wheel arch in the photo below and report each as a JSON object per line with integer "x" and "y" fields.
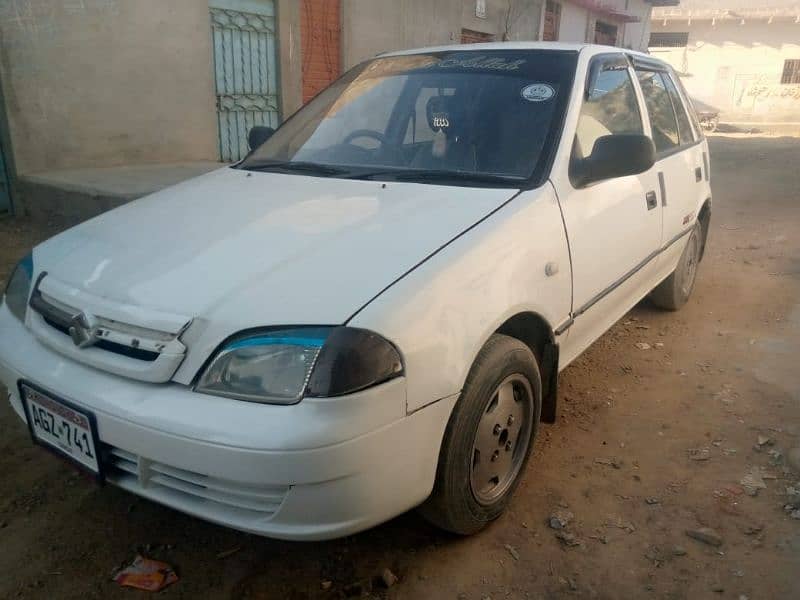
{"x": 704, "y": 218}
{"x": 533, "y": 330}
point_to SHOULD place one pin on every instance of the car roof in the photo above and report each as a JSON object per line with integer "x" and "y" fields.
{"x": 590, "y": 48}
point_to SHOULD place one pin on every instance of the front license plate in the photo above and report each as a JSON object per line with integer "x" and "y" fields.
{"x": 61, "y": 426}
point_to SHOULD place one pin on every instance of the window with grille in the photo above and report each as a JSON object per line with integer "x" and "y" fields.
{"x": 669, "y": 39}
{"x": 791, "y": 71}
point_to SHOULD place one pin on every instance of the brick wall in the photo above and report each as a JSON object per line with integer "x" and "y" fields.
{"x": 320, "y": 31}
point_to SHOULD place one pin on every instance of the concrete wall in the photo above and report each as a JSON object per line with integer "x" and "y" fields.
{"x": 574, "y": 23}
{"x": 738, "y": 68}
{"x": 577, "y": 23}
{"x": 291, "y": 59}
{"x": 371, "y": 27}
{"x": 106, "y": 82}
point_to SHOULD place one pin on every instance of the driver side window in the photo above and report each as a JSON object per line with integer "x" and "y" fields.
{"x": 610, "y": 108}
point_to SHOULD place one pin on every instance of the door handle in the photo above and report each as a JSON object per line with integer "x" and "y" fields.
{"x": 698, "y": 174}
{"x": 652, "y": 200}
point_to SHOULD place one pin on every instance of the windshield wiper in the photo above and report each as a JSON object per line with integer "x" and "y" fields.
{"x": 439, "y": 176}
{"x": 296, "y": 167}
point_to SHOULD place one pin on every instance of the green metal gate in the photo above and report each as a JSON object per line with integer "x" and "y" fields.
{"x": 245, "y": 71}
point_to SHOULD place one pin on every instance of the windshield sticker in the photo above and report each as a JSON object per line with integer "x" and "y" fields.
{"x": 538, "y": 92}
{"x": 480, "y": 62}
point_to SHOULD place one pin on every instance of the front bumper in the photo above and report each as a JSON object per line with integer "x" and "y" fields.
{"x": 320, "y": 469}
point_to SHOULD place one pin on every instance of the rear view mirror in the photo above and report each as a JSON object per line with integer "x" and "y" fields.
{"x": 614, "y": 156}
{"x": 258, "y": 135}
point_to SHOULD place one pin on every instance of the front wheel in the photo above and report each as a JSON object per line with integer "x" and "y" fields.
{"x": 674, "y": 291}
{"x": 488, "y": 438}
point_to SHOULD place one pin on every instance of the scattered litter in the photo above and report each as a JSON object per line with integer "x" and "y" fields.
{"x": 775, "y": 457}
{"x": 146, "y": 574}
{"x": 753, "y": 529}
{"x": 227, "y": 553}
{"x": 718, "y": 588}
{"x": 572, "y": 585}
{"x": 567, "y": 538}
{"x": 621, "y": 524}
{"x": 699, "y": 454}
{"x": 793, "y": 458}
{"x": 652, "y": 501}
{"x": 753, "y": 482}
{"x": 763, "y": 440}
{"x": 705, "y": 535}
{"x": 795, "y": 514}
{"x": 560, "y": 519}
{"x": 653, "y": 554}
{"x": 512, "y": 551}
{"x": 659, "y": 345}
{"x": 600, "y": 538}
{"x": 678, "y": 551}
{"x": 389, "y": 578}
{"x": 611, "y": 462}
{"x": 326, "y": 585}
{"x": 643, "y": 345}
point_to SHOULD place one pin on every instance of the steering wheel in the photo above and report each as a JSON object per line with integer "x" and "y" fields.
{"x": 368, "y": 133}
{"x": 387, "y": 150}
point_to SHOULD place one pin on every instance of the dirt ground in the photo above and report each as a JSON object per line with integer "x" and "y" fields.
{"x": 649, "y": 443}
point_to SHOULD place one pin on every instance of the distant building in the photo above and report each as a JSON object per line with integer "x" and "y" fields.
{"x": 86, "y": 84}
{"x": 740, "y": 56}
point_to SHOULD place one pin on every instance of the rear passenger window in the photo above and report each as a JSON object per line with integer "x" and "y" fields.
{"x": 662, "y": 115}
{"x": 684, "y": 127}
{"x": 610, "y": 108}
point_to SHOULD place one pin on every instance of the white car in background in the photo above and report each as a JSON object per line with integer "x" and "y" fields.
{"x": 369, "y": 312}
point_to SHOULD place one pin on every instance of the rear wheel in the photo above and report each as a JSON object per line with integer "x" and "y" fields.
{"x": 488, "y": 438}
{"x": 674, "y": 291}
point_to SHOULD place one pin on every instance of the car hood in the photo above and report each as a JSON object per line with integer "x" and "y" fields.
{"x": 243, "y": 249}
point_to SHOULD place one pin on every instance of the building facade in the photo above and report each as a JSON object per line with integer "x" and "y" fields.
{"x": 741, "y": 57}
{"x": 101, "y": 83}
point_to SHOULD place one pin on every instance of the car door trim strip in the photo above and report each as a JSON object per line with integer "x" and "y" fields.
{"x": 602, "y": 294}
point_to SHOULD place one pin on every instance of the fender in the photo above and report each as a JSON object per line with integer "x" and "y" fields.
{"x": 466, "y": 291}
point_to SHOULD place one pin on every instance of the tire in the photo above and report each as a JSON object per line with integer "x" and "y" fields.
{"x": 674, "y": 291}
{"x": 471, "y": 491}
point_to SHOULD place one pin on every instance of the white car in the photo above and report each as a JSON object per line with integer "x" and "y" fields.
{"x": 369, "y": 312}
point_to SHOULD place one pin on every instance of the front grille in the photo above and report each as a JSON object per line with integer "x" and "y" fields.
{"x": 129, "y": 341}
{"x": 167, "y": 482}
{"x": 114, "y": 347}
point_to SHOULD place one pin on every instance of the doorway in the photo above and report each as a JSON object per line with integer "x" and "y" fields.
{"x": 245, "y": 71}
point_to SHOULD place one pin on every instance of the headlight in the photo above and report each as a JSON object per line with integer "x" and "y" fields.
{"x": 19, "y": 287}
{"x": 280, "y": 366}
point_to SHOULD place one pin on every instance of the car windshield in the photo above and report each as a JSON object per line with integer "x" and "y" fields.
{"x": 476, "y": 117}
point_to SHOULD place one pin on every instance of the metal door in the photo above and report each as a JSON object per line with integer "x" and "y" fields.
{"x": 245, "y": 71}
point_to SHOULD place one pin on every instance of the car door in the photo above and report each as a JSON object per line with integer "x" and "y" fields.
{"x": 614, "y": 226}
{"x": 679, "y": 163}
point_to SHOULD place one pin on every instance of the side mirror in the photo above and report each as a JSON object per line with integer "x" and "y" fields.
{"x": 614, "y": 156}
{"x": 258, "y": 135}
